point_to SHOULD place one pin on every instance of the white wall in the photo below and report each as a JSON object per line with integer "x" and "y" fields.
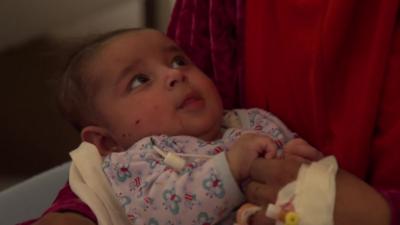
{"x": 163, "y": 10}
{"x": 21, "y": 20}
{"x": 125, "y": 14}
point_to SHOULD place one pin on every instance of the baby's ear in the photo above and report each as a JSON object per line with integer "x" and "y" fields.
{"x": 100, "y": 137}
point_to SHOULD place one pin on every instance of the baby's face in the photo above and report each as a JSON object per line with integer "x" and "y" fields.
{"x": 147, "y": 86}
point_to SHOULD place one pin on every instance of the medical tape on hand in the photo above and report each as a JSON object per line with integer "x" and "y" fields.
{"x": 312, "y": 195}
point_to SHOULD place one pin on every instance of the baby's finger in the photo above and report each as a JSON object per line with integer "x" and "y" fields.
{"x": 270, "y": 154}
{"x": 266, "y": 142}
{"x": 296, "y": 158}
{"x": 296, "y": 141}
{"x": 261, "y": 143}
{"x": 303, "y": 150}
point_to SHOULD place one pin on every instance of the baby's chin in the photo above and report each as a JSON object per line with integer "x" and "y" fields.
{"x": 210, "y": 135}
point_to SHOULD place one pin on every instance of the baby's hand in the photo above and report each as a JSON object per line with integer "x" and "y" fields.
{"x": 299, "y": 150}
{"x": 245, "y": 150}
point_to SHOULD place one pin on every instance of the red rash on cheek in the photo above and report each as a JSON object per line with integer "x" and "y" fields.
{"x": 126, "y": 135}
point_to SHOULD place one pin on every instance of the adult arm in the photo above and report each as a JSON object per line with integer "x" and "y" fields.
{"x": 354, "y": 198}
{"x": 67, "y": 208}
{"x": 66, "y": 218}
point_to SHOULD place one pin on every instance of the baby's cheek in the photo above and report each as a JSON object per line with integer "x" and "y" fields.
{"x": 154, "y": 119}
{"x": 125, "y": 140}
{"x": 130, "y": 133}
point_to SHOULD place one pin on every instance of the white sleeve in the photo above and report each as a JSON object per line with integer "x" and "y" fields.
{"x": 152, "y": 193}
{"x": 265, "y": 122}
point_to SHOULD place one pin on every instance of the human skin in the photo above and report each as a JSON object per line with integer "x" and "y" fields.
{"x": 145, "y": 85}
{"x": 354, "y": 198}
{"x": 164, "y": 80}
{"x": 297, "y": 150}
{"x": 64, "y": 218}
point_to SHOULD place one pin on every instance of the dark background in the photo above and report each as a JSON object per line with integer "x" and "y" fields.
{"x": 34, "y": 137}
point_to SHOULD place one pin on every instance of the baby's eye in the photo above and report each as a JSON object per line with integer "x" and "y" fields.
{"x": 139, "y": 80}
{"x": 178, "y": 61}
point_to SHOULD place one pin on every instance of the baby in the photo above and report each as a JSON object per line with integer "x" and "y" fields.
{"x": 137, "y": 97}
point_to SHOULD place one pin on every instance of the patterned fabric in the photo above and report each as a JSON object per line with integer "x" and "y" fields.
{"x": 203, "y": 192}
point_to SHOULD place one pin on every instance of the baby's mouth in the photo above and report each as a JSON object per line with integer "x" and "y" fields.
{"x": 192, "y": 101}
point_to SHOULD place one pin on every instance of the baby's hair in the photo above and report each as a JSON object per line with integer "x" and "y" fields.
{"x": 75, "y": 90}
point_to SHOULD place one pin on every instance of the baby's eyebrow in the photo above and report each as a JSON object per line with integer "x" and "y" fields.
{"x": 172, "y": 48}
{"x": 127, "y": 70}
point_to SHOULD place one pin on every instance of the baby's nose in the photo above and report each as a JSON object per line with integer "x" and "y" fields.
{"x": 174, "y": 77}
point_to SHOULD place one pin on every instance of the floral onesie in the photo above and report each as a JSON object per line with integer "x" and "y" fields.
{"x": 204, "y": 191}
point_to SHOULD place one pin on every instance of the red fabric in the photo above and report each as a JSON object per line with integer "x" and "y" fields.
{"x": 67, "y": 201}
{"x": 211, "y": 33}
{"x": 328, "y": 69}
{"x": 331, "y": 71}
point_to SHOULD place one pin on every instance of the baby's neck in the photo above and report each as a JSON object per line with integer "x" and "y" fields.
{"x": 212, "y": 136}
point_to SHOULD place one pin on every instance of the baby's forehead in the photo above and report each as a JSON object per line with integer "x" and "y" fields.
{"x": 139, "y": 38}
{"x": 132, "y": 45}
{"x": 122, "y": 50}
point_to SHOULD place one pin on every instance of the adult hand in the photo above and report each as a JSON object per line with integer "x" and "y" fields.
{"x": 268, "y": 176}
{"x": 356, "y": 202}
{"x": 298, "y": 149}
